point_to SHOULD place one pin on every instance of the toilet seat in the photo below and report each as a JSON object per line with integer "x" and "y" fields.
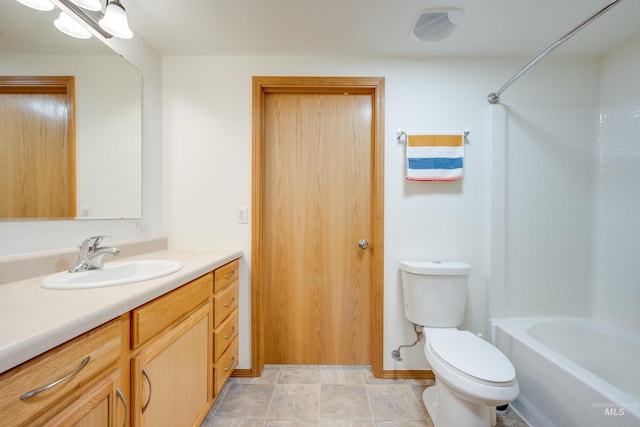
{"x": 472, "y": 357}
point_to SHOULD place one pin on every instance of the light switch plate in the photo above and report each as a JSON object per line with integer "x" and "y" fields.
{"x": 243, "y": 215}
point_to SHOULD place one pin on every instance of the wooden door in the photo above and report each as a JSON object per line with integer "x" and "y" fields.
{"x": 317, "y": 207}
{"x": 37, "y": 148}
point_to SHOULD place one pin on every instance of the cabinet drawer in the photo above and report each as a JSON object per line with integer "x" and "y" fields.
{"x": 155, "y": 316}
{"x": 223, "y": 369}
{"x": 224, "y": 335}
{"x": 224, "y": 303}
{"x": 79, "y": 361}
{"x": 226, "y": 274}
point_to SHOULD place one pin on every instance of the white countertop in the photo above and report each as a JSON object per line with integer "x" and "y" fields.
{"x": 34, "y": 320}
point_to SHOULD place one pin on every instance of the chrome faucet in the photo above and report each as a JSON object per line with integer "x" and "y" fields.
{"x": 90, "y": 256}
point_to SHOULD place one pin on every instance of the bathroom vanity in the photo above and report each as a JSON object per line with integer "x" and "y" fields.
{"x": 150, "y": 353}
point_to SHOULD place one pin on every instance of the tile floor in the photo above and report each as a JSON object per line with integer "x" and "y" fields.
{"x": 325, "y": 396}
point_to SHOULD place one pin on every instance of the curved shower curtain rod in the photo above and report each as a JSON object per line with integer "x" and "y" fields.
{"x": 494, "y": 97}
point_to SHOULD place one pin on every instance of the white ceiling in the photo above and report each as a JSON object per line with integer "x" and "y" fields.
{"x": 375, "y": 27}
{"x": 497, "y": 28}
{"x": 29, "y": 32}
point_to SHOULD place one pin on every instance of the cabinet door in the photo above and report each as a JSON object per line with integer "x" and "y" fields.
{"x": 170, "y": 375}
{"x": 102, "y": 405}
{"x": 37, "y": 388}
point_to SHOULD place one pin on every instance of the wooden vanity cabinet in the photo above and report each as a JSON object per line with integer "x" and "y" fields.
{"x": 76, "y": 383}
{"x": 161, "y": 364}
{"x": 225, "y": 323}
{"x": 171, "y": 361}
{"x": 103, "y": 405}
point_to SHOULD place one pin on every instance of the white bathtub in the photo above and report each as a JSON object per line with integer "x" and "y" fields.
{"x": 572, "y": 371}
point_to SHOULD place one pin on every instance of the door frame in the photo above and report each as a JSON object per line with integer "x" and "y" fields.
{"x": 373, "y": 86}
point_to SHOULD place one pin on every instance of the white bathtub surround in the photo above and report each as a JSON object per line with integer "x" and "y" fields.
{"x": 542, "y": 210}
{"x": 564, "y": 234}
{"x": 573, "y": 371}
{"x": 564, "y": 228}
{"x": 616, "y": 294}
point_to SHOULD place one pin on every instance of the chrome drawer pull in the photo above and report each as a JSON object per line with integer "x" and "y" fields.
{"x": 32, "y": 393}
{"x": 146, "y": 375}
{"x": 226, "y": 337}
{"x": 233, "y": 362}
{"x": 230, "y": 302}
{"x": 126, "y": 408}
{"x": 229, "y": 275}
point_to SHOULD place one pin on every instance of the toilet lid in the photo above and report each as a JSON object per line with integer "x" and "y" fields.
{"x": 473, "y": 356}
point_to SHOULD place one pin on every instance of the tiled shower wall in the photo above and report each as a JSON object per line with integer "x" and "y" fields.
{"x": 543, "y": 191}
{"x": 565, "y": 232}
{"x": 616, "y": 288}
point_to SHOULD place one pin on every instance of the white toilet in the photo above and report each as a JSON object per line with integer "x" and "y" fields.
{"x": 472, "y": 376}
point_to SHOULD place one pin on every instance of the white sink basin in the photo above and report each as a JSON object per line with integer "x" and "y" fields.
{"x": 112, "y": 274}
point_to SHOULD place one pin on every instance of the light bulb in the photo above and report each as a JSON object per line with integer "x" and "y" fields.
{"x": 71, "y": 27}
{"x": 115, "y": 20}
{"x": 44, "y": 5}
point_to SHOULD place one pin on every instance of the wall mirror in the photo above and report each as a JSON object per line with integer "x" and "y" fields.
{"x": 108, "y": 109}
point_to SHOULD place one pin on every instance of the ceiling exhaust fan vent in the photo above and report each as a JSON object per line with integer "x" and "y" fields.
{"x": 436, "y": 24}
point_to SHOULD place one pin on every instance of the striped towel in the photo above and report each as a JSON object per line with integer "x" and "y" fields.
{"x": 435, "y": 157}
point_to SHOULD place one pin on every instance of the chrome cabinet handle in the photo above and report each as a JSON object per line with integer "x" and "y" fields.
{"x": 226, "y": 337}
{"x": 233, "y": 362}
{"x": 32, "y": 393}
{"x": 363, "y": 244}
{"x": 229, "y": 275}
{"x": 230, "y": 302}
{"x": 126, "y": 407}
{"x": 146, "y": 375}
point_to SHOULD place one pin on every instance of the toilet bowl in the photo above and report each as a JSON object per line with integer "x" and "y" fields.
{"x": 472, "y": 376}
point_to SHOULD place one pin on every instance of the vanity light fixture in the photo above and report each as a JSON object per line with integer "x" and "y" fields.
{"x": 71, "y": 27}
{"x": 94, "y": 5}
{"x": 115, "y": 20}
{"x": 44, "y": 5}
{"x": 112, "y": 22}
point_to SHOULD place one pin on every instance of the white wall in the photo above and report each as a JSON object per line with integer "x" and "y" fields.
{"x": 616, "y": 291}
{"x": 206, "y": 103}
{"x": 207, "y": 134}
{"x": 18, "y": 237}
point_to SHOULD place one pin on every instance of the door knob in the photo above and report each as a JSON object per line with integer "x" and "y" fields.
{"x": 363, "y": 244}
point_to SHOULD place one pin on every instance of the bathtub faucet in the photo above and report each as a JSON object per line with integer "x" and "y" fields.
{"x": 90, "y": 256}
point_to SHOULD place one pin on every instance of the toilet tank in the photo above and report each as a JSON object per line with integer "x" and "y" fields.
{"x": 435, "y": 292}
